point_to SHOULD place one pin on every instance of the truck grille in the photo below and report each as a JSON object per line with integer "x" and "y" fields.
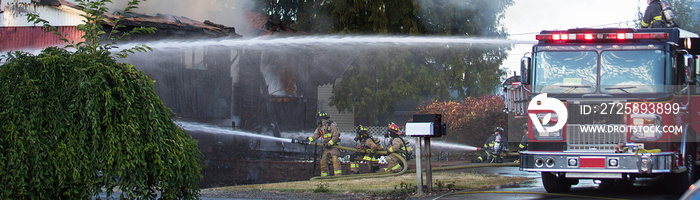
{"x": 605, "y": 140}
{"x": 600, "y": 136}
{"x": 597, "y": 115}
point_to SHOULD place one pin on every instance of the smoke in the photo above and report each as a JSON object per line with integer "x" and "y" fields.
{"x": 485, "y": 15}
{"x": 226, "y": 12}
{"x": 427, "y": 6}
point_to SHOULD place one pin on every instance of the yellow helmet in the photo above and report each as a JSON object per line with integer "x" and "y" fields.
{"x": 362, "y": 129}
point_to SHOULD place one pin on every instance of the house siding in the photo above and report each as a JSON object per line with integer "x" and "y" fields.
{"x": 346, "y": 120}
{"x": 14, "y": 14}
{"x": 16, "y": 33}
{"x": 33, "y": 38}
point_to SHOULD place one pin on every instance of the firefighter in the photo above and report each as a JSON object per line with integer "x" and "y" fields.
{"x": 327, "y": 130}
{"x": 493, "y": 147}
{"x": 657, "y": 15}
{"x": 523, "y": 142}
{"x": 368, "y": 145}
{"x": 397, "y": 144}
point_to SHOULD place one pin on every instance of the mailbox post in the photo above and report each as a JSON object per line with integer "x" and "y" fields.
{"x": 424, "y": 127}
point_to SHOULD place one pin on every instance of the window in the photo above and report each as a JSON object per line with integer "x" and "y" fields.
{"x": 565, "y": 72}
{"x": 632, "y": 71}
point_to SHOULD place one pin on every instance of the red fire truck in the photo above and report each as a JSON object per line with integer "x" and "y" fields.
{"x": 612, "y": 105}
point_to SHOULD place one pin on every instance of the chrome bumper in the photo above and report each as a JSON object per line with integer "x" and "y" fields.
{"x": 597, "y": 162}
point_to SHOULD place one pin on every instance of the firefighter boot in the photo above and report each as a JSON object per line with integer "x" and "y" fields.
{"x": 374, "y": 166}
{"x": 336, "y": 166}
{"x": 354, "y": 167}
{"x": 354, "y": 164}
{"x": 324, "y": 168}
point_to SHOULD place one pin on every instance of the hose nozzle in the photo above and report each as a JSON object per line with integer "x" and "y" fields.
{"x": 300, "y": 141}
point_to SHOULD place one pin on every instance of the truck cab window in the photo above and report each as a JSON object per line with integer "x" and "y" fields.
{"x": 632, "y": 71}
{"x": 565, "y": 71}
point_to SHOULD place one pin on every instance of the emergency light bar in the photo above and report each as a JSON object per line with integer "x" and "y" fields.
{"x": 599, "y": 36}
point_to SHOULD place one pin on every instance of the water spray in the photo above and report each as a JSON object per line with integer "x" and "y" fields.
{"x": 331, "y": 40}
{"x": 455, "y": 146}
{"x": 212, "y": 129}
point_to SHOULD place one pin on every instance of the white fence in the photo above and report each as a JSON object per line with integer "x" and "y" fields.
{"x": 373, "y": 130}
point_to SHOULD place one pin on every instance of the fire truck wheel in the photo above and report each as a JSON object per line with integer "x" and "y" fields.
{"x": 554, "y": 184}
{"x": 678, "y": 183}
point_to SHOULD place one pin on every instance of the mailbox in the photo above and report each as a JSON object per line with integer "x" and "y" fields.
{"x": 426, "y": 126}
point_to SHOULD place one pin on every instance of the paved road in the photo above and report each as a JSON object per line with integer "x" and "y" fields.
{"x": 586, "y": 189}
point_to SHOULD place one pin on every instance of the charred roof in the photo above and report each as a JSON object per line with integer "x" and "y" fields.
{"x": 164, "y": 23}
{"x": 175, "y": 23}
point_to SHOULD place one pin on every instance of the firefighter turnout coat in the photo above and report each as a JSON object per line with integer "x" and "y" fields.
{"x": 369, "y": 145}
{"x": 653, "y": 16}
{"x": 329, "y": 136}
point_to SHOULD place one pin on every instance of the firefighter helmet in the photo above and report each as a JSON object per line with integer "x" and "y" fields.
{"x": 362, "y": 133}
{"x": 323, "y": 115}
{"x": 498, "y": 129}
{"x": 525, "y": 126}
{"x": 362, "y": 130}
{"x": 394, "y": 128}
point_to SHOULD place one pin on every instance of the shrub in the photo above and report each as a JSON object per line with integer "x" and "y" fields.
{"x": 73, "y": 124}
{"x": 66, "y": 118}
{"x": 470, "y": 121}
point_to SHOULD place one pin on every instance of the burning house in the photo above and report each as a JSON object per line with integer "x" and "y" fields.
{"x": 251, "y": 88}
{"x": 259, "y": 89}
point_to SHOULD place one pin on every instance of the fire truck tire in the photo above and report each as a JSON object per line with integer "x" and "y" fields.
{"x": 692, "y": 173}
{"x": 554, "y": 184}
{"x": 678, "y": 183}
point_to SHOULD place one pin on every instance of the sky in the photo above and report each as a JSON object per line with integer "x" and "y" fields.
{"x": 525, "y": 18}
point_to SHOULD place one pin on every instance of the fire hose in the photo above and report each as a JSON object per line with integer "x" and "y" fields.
{"x": 387, "y": 174}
